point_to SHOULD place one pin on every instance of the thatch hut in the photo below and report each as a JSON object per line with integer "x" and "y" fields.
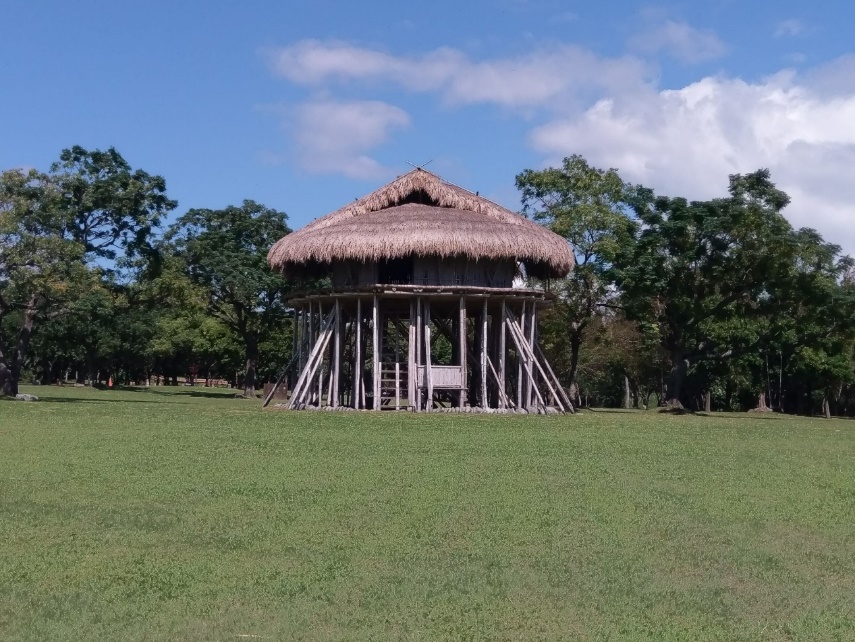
{"x": 421, "y": 310}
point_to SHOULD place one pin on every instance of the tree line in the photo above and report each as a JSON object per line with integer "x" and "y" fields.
{"x": 686, "y": 304}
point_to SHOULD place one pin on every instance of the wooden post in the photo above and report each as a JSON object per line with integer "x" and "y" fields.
{"x": 530, "y": 327}
{"x": 377, "y": 355}
{"x": 357, "y": 360}
{"x": 411, "y": 359}
{"x": 484, "y": 403}
{"x": 428, "y": 375}
{"x": 520, "y": 371}
{"x": 321, "y": 369}
{"x": 502, "y": 316}
{"x": 294, "y": 347}
{"x": 336, "y": 373}
{"x": 462, "y": 349}
{"x": 419, "y": 333}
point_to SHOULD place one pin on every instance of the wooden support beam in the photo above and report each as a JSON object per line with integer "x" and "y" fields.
{"x": 412, "y": 371}
{"x": 304, "y": 383}
{"x": 531, "y": 357}
{"x": 419, "y": 333}
{"x": 503, "y": 399}
{"x": 428, "y": 374}
{"x": 502, "y": 350}
{"x": 294, "y": 344}
{"x": 377, "y": 352}
{"x": 336, "y": 373}
{"x": 568, "y": 404}
{"x": 530, "y": 383}
{"x": 484, "y": 402}
{"x": 519, "y": 342}
{"x": 461, "y": 337}
{"x": 320, "y": 391}
{"x": 520, "y": 370}
{"x": 357, "y": 360}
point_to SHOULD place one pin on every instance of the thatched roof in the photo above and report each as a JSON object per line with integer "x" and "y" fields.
{"x": 421, "y": 214}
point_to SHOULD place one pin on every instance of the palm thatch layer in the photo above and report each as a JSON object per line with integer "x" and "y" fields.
{"x": 420, "y": 214}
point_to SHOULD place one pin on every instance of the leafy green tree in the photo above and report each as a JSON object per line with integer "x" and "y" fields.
{"x": 225, "y": 252}
{"x": 695, "y": 271}
{"x": 40, "y": 268}
{"x": 586, "y": 206}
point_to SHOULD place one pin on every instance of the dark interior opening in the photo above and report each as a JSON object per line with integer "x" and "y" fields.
{"x": 396, "y": 271}
{"x": 420, "y": 197}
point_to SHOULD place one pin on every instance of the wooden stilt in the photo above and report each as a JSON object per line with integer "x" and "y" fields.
{"x": 428, "y": 374}
{"x": 530, "y": 384}
{"x": 502, "y": 378}
{"x": 519, "y": 342}
{"x": 357, "y": 361}
{"x": 320, "y": 390}
{"x": 567, "y": 403}
{"x": 484, "y": 355}
{"x": 303, "y": 387}
{"x": 411, "y": 358}
{"x": 531, "y": 358}
{"x": 419, "y": 333}
{"x": 336, "y": 371}
{"x": 499, "y": 385}
{"x": 520, "y": 370}
{"x": 377, "y": 353}
{"x": 461, "y": 337}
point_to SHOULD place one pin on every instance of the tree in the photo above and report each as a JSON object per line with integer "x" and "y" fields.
{"x": 60, "y": 232}
{"x": 225, "y": 252}
{"x": 107, "y": 206}
{"x": 40, "y": 269}
{"x": 695, "y": 271}
{"x": 585, "y": 205}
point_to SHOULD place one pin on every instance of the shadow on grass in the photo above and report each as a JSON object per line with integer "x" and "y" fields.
{"x": 188, "y": 393}
{"x": 90, "y": 400}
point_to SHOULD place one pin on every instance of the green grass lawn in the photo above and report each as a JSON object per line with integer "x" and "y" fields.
{"x": 170, "y": 515}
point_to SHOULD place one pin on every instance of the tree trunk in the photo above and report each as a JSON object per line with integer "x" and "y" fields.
{"x": 826, "y": 408}
{"x": 627, "y": 394}
{"x": 707, "y": 401}
{"x": 10, "y": 367}
{"x": 575, "y": 343}
{"x": 679, "y": 368}
{"x": 761, "y": 403}
{"x": 251, "y": 364}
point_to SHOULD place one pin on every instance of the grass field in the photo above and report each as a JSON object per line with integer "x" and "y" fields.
{"x": 170, "y": 515}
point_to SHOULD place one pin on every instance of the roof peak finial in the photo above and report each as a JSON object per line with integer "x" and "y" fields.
{"x": 422, "y": 166}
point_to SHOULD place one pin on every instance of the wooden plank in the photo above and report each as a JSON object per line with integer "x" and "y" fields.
{"x": 377, "y": 354}
{"x": 397, "y": 385}
{"x": 336, "y": 373}
{"x": 461, "y": 337}
{"x": 357, "y": 361}
{"x": 320, "y": 391}
{"x": 484, "y": 355}
{"x": 428, "y": 374}
{"x": 502, "y": 349}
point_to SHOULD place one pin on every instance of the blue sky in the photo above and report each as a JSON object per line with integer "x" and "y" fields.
{"x": 304, "y": 106}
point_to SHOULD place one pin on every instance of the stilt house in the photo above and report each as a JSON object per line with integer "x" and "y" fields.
{"x": 424, "y": 309}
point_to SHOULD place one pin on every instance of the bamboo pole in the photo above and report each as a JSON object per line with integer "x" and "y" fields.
{"x": 337, "y": 356}
{"x": 377, "y": 355}
{"x": 530, "y": 328}
{"x": 412, "y": 371}
{"x": 484, "y": 403}
{"x": 357, "y": 360}
{"x": 531, "y": 356}
{"x": 519, "y": 341}
{"x": 543, "y": 358}
{"x": 501, "y": 386}
{"x": 428, "y": 373}
{"x": 461, "y": 337}
{"x": 520, "y": 370}
{"x": 419, "y": 333}
{"x": 502, "y": 348}
{"x": 304, "y": 382}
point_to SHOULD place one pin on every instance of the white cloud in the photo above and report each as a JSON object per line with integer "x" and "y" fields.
{"x": 681, "y": 41}
{"x": 336, "y": 137}
{"x": 791, "y": 27}
{"x": 686, "y": 142}
{"x": 548, "y": 74}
